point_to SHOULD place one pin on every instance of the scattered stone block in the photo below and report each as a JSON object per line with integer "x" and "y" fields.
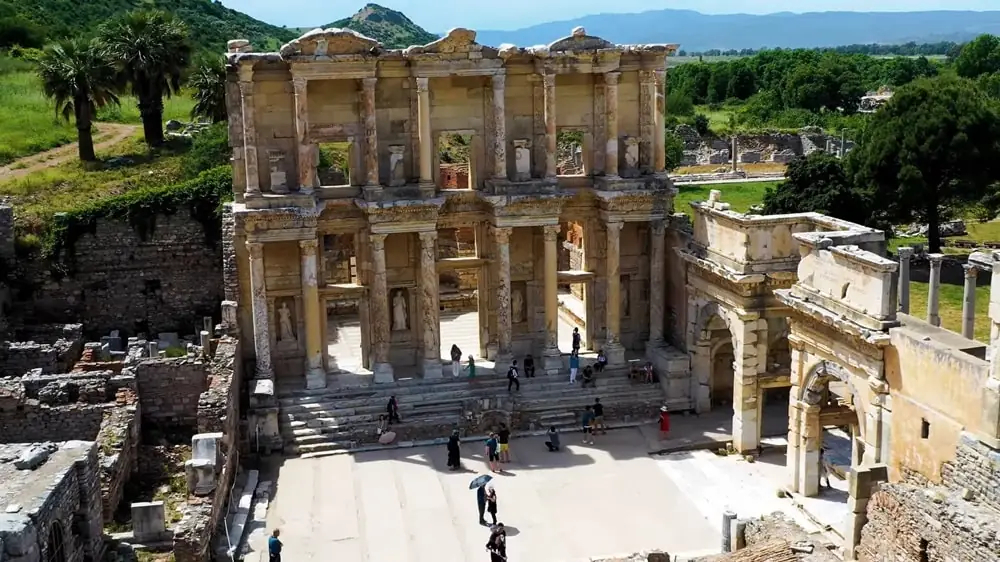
{"x": 200, "y": 476}
{"x": 149, "y": 522}
{"x": 35, "y": 456}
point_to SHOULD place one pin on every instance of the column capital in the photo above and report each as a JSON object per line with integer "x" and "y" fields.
{"x": 378, "y": 241}
{"x": 423, "y": 84}
{"x": 659, "y": 75}
{"x": 645, "y": 76}
{"x": 502, "y": 234}
{"x": 549, "y": 80}
{"x": 935, "y": 259}
{"x": 256, "y": 250}
{"x": 614, "y": 228}
{"x": 551, "y": 232}
{"x": 498, "y": 81}
{"x": 611, "y": 78}
{"x": 428, "y": 237}
{"x": 369, "y": 83}
{"x": 300, "y": 83}
{"x": 904, "y": 253}
{"x": 971, "y": 271}
{"x": 309, "y": 247}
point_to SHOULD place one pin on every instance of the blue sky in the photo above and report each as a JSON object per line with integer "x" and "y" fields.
{"x": 441, "y": 15}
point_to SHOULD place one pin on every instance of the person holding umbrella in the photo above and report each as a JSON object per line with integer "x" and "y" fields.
{"x": 479, "y": 485}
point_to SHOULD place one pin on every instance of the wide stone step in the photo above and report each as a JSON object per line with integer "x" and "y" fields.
{"x": 320, "y": 447}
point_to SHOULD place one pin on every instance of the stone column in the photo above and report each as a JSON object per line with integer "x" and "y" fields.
{"x": 549, "y": 80}
{"x": 647, "y": 97}
{"x": 934, "y": 290}
{"x": 371, "y": 132}
{"x": 249, "y": 131}
{"x": 969, "y": 301}
{"x": 613, "y": 347}
{"x": 379, "y": 298}
{"x": 500, "y": 127}
{"x": 794, "y": 438}
{"x": 810, "y": 443}
{"x": 659, "y": 132}
{"x": 749, "y": 347}
{"x": 657, "y": 282}
{"x": 258, "y": 303}
{"x": 611, "y": 127}
{"x": 426, "y": 142}
{"x": 504, "y": 335}
{"x": 305, "y": 163}
{"x": 552, "y": 356}
{"x": 315, "y": 375}
{"x": 429, "y": 309}
{"x": 905, "y": 253}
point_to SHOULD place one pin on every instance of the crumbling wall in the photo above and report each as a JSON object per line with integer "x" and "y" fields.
{"x": 53, "y": 349}
{"x": 119, "y": 440}
{"x": 30, "y": 421}
{"x": 976, "y": 468}
{"x": 169, "y": 392}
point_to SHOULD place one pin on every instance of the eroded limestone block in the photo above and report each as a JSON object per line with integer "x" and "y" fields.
{"x": 239, "y": 46}
{"x": 397, "y": 165}
{"x": 205, "y": 446}
{"x": 149, "y": 523}
{"x": 279, "y": 177}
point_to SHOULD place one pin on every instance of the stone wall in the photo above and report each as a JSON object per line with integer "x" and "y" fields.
{"x": 120, "y": 281}
{"x": 119, "y": 440}
{"x": 53, "y": 349}
{"x": 169, "y": 392}
{"x": 33, "y": 421}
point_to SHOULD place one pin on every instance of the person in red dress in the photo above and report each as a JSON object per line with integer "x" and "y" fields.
{"x": 664, "y": 422}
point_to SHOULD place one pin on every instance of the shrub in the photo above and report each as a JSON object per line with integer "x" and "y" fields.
{"x": 701, "y": 124}
{"x": 209, "y": 148}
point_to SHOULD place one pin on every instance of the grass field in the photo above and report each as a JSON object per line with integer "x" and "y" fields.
{"x": 176, "y": 107}
{"x": 741, "y": 196}
{"x": 718, "y": 119}
{"x": 951, "y": 307}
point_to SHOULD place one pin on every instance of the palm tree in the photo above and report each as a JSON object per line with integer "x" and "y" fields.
{"x": 209, "y": 84}
{"x": 81, "y": 81}
{"x": 151, "y": 51}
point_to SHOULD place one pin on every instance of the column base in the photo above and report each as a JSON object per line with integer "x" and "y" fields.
{"x": 306, "y": 190}
{"x": 491, "y": 351}
{"x": 746, "y": 431}
{"x": 372, "y": 192}
{"x": 383, "y": 373}
{"x": 552, "y": 361}
{"x": 503, "y": 361}
{"x": 428, "y": 190}
{"x": 431, "y": 369}
{"x": 616, "y": 354}
{"x": 315, "y": 379}
{"x": 263, "y": 373}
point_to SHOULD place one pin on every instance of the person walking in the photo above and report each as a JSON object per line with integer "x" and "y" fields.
{"x": 574, "y": 366}
{"x": 274, "y": 546}
{"x": 824, "y": 472}
{"x": 503, "y": 437}
{"x": 599, "y": 417}
{"x": 491, "y": 503}
{"x": 664, "y": 422}
{"x": 497, "y": 544}
{"x": 587, "y": 422}
{"x": 553, "y": 439}
{"x": 456, "y": 360}
{"x": 576, "y": 340}
{"x": 481, "y": 502}
{"x": 454, "y": 451}
{"x": 471, "y": 367}
{"x": 512, "y": 377}
{"x": 392, "y": 409}
{"x": 492, "y": 453}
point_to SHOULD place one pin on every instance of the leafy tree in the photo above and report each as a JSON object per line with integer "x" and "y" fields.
{"x": 80, "y": 81}
{"x": 209, "y": 85}
{"x": 701, "y": 124}
{"x": 935, "y": 146}
{"x": 980, "y": 56}
{"x": 679, "y": 103}
{"x": 19, "y": 32}
{"x": 152, "y": 51}
{"x": 742, "y": 82}
{"x": 674, "y": 146}
{"x": 718, "y": 84}
{"x": 818, "y": 183}
{"x": 209, "y": 149}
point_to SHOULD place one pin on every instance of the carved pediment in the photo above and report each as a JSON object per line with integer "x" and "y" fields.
{"x": 580, "y": 41}
{"x": 331, "y": 42}
{"x": 457, "y": 40}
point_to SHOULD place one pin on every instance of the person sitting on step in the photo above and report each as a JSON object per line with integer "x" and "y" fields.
{"x": 588, "y": 377}
{"x": 529, "y": 366}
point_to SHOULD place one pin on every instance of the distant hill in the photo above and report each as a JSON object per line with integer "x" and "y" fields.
{"x": 389, "y": 27}
{"x": 210, "y": 23}
{"x": 700, "y": 32}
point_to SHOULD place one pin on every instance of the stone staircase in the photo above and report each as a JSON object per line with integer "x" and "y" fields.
{"x": 333, "y": 419}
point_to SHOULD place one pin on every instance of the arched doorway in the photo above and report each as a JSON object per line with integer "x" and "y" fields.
{"x": 55, "y": 547}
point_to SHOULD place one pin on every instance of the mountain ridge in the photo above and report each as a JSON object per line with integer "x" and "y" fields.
{"x": 389, "y": 27}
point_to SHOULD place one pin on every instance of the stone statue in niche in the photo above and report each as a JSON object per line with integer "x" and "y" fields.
{"x": 397, "y": 168}
{"x": 279, "y": 178}
{"x": 631, "y": 157}
{"x": 522, "y": 160}
{"x": 286, "y": 323}
{"x": 399, "y": 318}
{"x": 517, "y": 306}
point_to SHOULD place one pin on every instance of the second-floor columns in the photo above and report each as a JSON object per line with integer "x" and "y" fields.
{"x": 549, "y": 83}
{"x": 499, "y": 127}
{"x": 647, "y": 112}
{"x": 249, "y": 131}
{"x": 424, "y": 129}
{"x": 659, "y": 132}
{"x": 611, "y": 126}
{"x": 371, "y": 131}
{"x": 305, "y": 163}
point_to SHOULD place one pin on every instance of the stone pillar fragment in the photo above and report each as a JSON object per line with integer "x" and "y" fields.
{"x": 371, "y": 132}
{"x": 249, "y": 131}
{"x": 499, "y": 127}
{"x": 969, "y": 301}
{"x": 504, "y": 328}
{"x": 611, "y": 127}
{"x": 552, "y": 357}
{"x": 379, "y": 298}
{"x": 659, "y": 132}
{"x": 315, "y": 375}
{"x": 810, "y": 443}
{"x": 426, "y": 142}
{"x": 904, "y": 253}
{"x": 934, "y": 290}
{"x": 258, "y": 303}
{"x": 657, "y": 282}
{"x": 429, "y": 309}
{"x": 613, "y": 347}
{"x": 306, "y": 164}
{"x": 549, "y": 81}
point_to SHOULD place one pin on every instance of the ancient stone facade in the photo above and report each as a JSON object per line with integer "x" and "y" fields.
{"x": 170, "y": 391}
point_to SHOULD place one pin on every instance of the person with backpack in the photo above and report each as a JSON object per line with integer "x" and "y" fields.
{"x": 512, "y": 377}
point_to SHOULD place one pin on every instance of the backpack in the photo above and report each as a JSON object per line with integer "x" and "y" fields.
{"x": 512, "y": 372}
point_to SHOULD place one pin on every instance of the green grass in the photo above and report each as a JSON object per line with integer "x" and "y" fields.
{"x": 740, "y": 196}
{"x": 28, "y": 122}
{"x": 176, "y": 107}
{"x": 950, "y": 309}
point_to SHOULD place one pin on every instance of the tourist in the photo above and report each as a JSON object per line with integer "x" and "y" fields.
{"x": 383, "y": 425}
{"x": 588, "y": 377}
{"x": 599, "y": 416}
{"x": 274, "y": 546}
{"x": 512, "y": 377}
{"x": 553, "y": 439}
{"x": 392, "y": 409}
{"x": 824, "y": 473}
{"x": 497, "y": 544}
{"x": 492, "y": 454}
{"x": 456, "y": 360}
{"x": 481, "y": 502}
{"x": 491, "y": 503}
{"x": 471, "y": 367}
{"x": 602, "y": 361}
{"x": 648, "y": 372}
{"x": 664, "y": 422}
{"x": 454, "y": 451}
{"x": 574, "y": 365}
{"x": 576, "y": 340}
{"x": 503, "y": 436}
{"x": 529, "y": 366}
{"x": 587, "y": 421}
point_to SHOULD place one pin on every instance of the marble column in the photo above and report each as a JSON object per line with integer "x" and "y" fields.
{"x": 504, "y": 329}
{"x": 904, "y": 253}
{"x": 379, "y": 298}
{"x": 647, "y": 110}
{"x": 306, "y": 165}
{"x": 426, "y": 142}
{"x": 934, "y": 290}
{"x": 429, "y": 308}
{"x": 657, "y": 282}
{"x": 552, "y": 358}
{"x": 613, "y": 347}
{"x": 969, "y": 301}
{"x": 549, "y": 81}
{"x": 249, "y": 131}
{"x": 611, "y": 126}
{"x": 258, "y": 303}
{"x": 659, "y": 132}
{"x": 500, "y": 127}
{"x": 315, "y": 375}
{"x": 371, "y": 132}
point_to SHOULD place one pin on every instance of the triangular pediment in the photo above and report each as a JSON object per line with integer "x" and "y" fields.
{"x": 578, "y": 40}
{"x": 331, "y": 42}
{"x": 457, "y": 40}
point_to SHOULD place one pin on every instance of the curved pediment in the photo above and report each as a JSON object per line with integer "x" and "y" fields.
{"x": 457, "y": 40}
{"x": 331, "y": 42}
{"x": 578, "y": 40}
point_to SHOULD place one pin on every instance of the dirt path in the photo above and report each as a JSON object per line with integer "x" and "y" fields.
{"x": 108, "y": 134}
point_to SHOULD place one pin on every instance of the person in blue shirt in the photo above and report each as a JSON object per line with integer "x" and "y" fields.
{"x": 574, "y": 366}
{"x": 274, "y": 546}
{"x": 493, "y": 453}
